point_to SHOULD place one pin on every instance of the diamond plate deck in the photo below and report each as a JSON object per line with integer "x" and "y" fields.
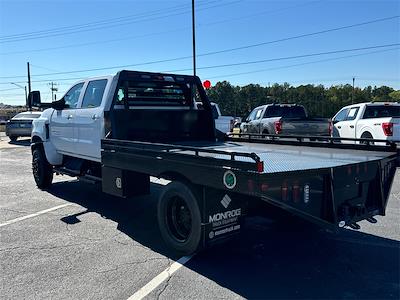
{"x": 284, "y": 158}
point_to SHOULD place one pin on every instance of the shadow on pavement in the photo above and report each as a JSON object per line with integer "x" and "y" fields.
{"x": 22, "y": 142}
{"x": 136, "y": 217}
{"x": 283, "y": 259}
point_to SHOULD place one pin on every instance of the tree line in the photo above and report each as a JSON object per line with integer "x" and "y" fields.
{"x": 319, "y": 100}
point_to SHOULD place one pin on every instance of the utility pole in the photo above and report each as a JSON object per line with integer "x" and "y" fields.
{"x": 53, "y": 89}
{"x": 29, "y": 78}
{"x": 194, "y": 39}
{"x": 352, "y": 94}
{"x": 22, "y": 87}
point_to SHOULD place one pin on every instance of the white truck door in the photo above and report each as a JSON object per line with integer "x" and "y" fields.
{"x": 338, "y": 121}
{"x": 62, "y": 133}
{"x": 348, "y": 125}
{"x": 89, "y": 120}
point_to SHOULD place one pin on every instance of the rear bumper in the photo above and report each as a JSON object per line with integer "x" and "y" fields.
{"x": 13, "y": 131}
{"x": 334, "y": 197}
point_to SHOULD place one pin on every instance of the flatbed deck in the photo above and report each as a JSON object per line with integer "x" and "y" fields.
{"x": 289, "y": 158}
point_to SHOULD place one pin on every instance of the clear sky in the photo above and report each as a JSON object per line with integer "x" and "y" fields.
{"x": 64, "y": 36}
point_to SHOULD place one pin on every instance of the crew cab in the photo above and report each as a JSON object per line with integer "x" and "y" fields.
{"x": 285, "y": 119}
{"x": 373, "y": 120}
{"x": 121, "y": 130}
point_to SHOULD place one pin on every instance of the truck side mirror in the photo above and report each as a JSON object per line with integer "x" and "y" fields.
{"x": 59, "y": 104}
{"x": 34, "y": 99}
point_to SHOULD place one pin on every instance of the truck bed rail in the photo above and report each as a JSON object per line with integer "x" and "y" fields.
{"x": 316, "y": 141}
{"x": 172, "y": 149}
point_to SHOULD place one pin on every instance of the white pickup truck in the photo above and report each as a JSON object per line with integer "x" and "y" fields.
{"x": 222, "y": 123}
{"x": 368, "y": 120}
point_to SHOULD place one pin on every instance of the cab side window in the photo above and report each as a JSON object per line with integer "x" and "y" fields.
{"x": 341, "y": 116}
{"x": 94, "y": 93}
{"x": 252, "y": 115}
{"x": 258, "y": 113}
{"x": 352, "y": 113}
{"x": 72, "y": 96}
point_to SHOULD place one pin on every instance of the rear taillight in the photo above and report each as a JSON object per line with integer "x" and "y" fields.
{"x": 284, "y": 191}
{"x": 296, "y": 191}
{"x": 387, "y": 129}
{"x": 330, "y": 129}
{"x": 260, "y": 166}
{"x": 278, "y": 127}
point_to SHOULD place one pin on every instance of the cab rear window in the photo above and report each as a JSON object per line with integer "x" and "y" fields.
{"x": 142, "y": 93}
{"x": 285, "y": 111}
{"x": 381, "y": 111}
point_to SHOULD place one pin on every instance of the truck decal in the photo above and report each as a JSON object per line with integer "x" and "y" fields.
{"x": 229, "y": 179}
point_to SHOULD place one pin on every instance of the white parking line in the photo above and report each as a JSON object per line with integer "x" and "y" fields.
{"x": 35, "y": 214}
{"x": 160, "y": 278}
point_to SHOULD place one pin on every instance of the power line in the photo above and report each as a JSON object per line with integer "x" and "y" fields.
{"x": 214, "y": 52}
{"x": 243, "y": 17}
{"x": 108, "y": 26}
{"x": 301, "y": 64}
{"x": 96, "y": 42}
{"x": 77, "y": 26}
{"x": 10, "y": 95}
{"x": 289, "y": 57}
{"x": 275, "y": 59}
{"x": 102, "y": 22}
{"x": 153, "y": 34}
{"x": 48, "y": 79}
{"x": 11, "y": 89}
{"x": 219, "y": 51}
{"x": 300, "y": 36}
{"x": 44, "y": 68}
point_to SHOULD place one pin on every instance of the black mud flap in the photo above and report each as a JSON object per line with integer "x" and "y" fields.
{"x": 223, "y": 215}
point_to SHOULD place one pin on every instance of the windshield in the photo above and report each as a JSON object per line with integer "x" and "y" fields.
{"x": 382, "y": 111}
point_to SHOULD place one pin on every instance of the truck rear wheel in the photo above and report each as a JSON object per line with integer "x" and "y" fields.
{"x": 42, "y": 170}
{"x": 366, "y": 135}
{"x": 179, "y": 218}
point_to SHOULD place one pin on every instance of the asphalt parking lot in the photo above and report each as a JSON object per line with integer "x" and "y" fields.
{"x": 87, "y": 245}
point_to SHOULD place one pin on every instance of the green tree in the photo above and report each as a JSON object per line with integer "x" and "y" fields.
{"x": 395, "y": 96}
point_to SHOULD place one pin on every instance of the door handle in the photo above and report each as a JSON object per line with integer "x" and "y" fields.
{"x": 339, "y": 127}
{"x": 95, "y": 117}
{"x": 351, "y": 126}
{"x": 69, "y": 117}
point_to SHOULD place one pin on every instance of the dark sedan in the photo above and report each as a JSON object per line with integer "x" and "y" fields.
{"x": 21, "y": 124}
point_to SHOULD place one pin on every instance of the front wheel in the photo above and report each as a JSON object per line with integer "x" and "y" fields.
{"x": 42, "y": 170}
{"x": 179, "y": 218}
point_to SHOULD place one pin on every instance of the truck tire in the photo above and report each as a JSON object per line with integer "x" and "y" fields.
{"x": 366, "y": 135}
{"x": 13, "y": 138}
{"x": 266, "y": 132}
{"x": 42, "y": 170}
{"x": 179, "y": 218}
